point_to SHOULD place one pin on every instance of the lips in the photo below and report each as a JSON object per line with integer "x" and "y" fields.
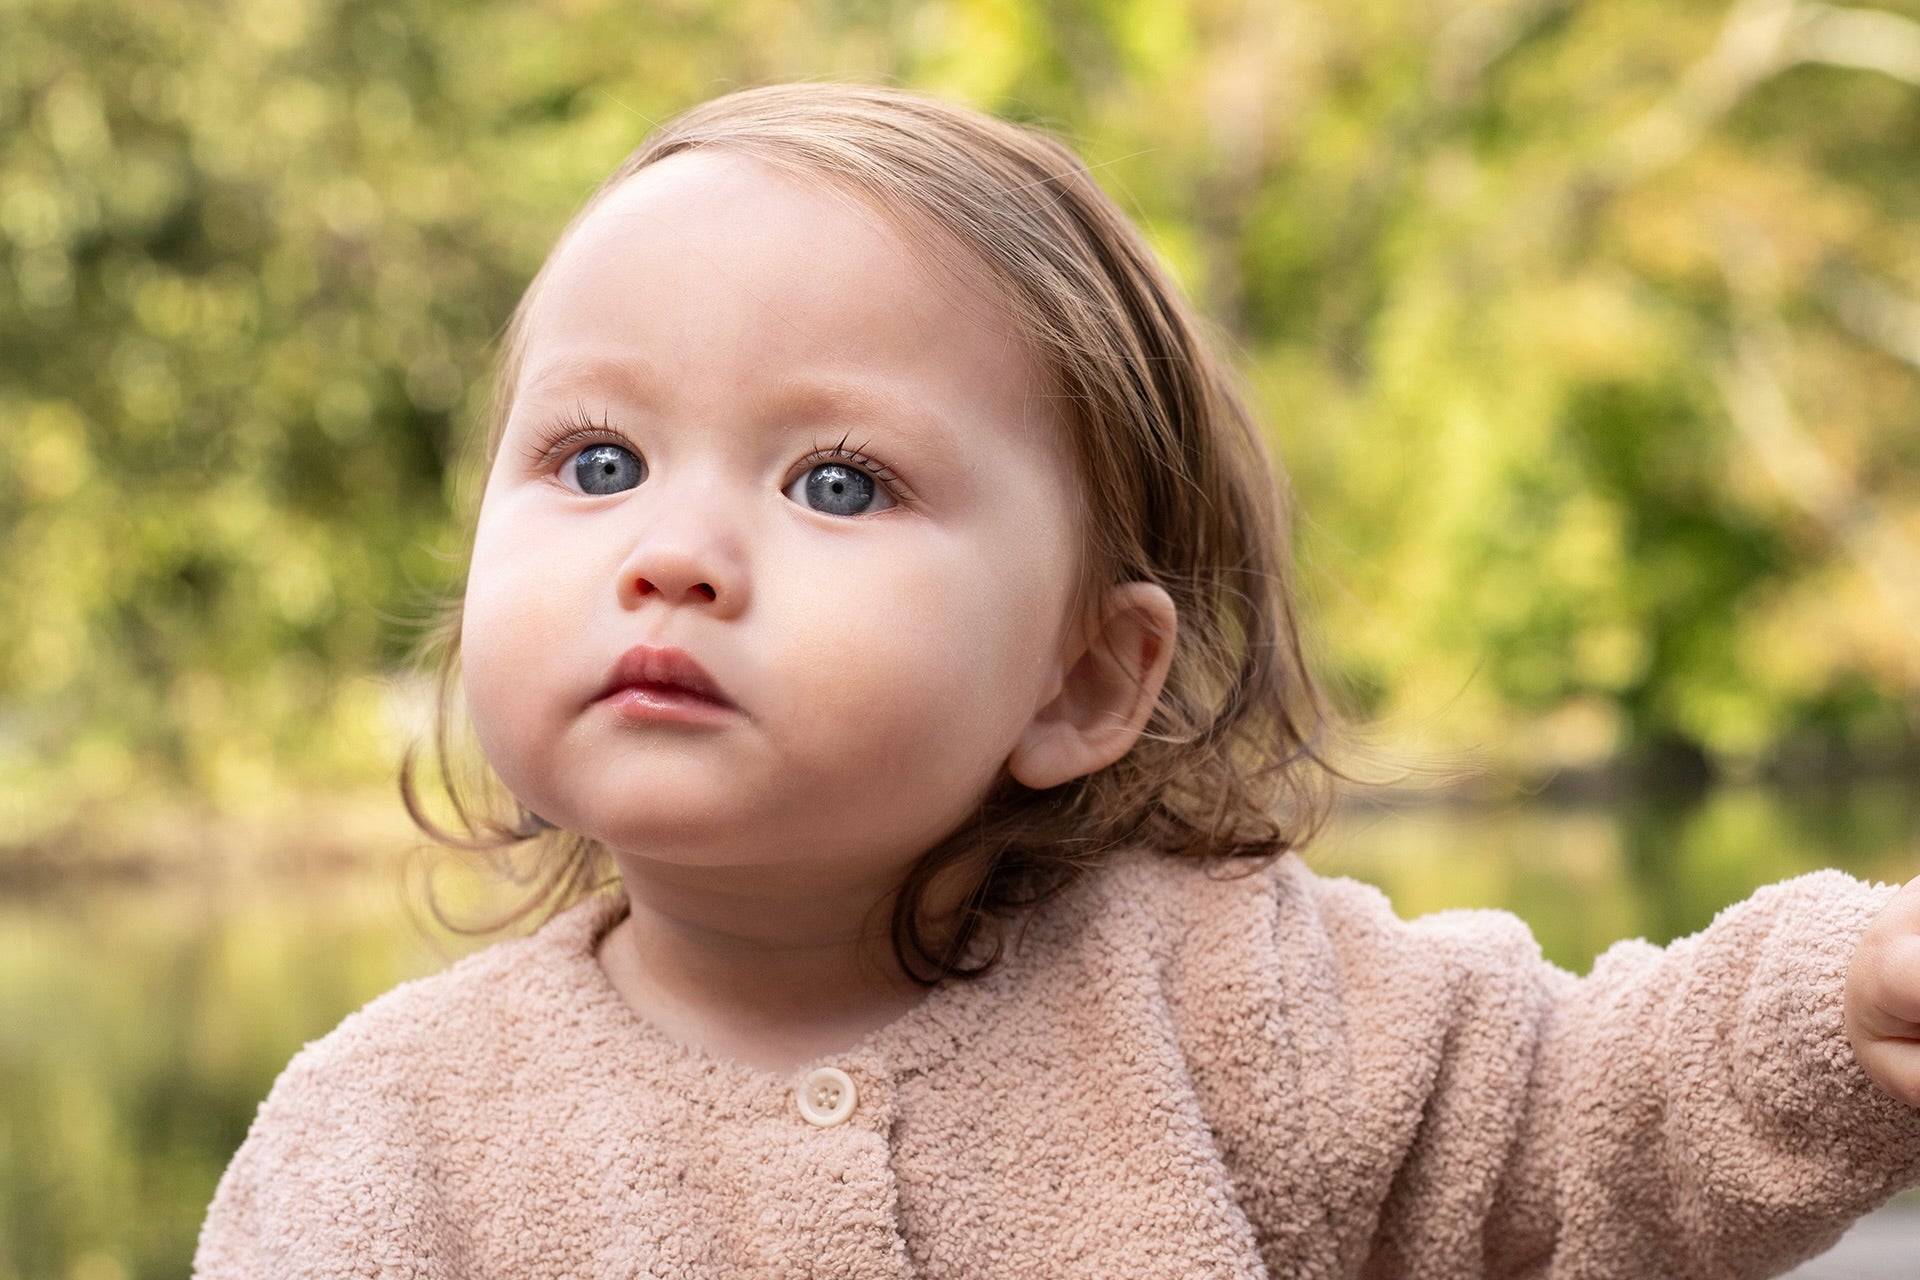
{"x": 645, "y": 667}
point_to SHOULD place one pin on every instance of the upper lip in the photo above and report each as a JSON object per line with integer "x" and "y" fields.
{"x": 676, "y": 668}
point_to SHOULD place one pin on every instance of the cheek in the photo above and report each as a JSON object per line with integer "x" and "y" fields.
{"x": 526, "y": 585}
{"x": 512, "y": 653}
{"x": 487, "y": 652}
{"x": 490, "y": 628}
{"x": 928, "y": 675}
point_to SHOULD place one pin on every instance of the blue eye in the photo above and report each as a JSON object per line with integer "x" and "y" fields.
{"x": 837, "y": 490}
{"x": 607, "y": 468}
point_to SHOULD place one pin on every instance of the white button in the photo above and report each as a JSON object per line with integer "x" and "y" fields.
{"x": 826, "y": 1096}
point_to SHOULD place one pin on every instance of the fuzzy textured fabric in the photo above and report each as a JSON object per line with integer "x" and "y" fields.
{"x": 1175, "y": 1074}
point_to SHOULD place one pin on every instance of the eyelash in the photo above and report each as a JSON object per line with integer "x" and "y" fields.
{"x": 579, "y": 429}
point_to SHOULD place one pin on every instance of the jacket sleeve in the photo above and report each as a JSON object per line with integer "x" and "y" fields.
{"x": 331, "y": 1180}
{"x": 1692, "y": 1110}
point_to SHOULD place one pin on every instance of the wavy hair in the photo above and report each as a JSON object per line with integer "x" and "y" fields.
{"x": 1176, "y": 486}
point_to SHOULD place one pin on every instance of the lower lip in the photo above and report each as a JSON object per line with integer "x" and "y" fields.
{"x": 660, "y": 705}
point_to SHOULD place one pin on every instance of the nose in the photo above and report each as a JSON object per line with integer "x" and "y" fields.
{"x": 684, "y": 553}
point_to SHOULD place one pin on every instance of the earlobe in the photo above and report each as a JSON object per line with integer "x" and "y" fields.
{"x": 1107, "y": 692}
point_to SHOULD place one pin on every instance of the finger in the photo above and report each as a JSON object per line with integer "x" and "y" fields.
{"x": 1894, "y": 1067}
{"x": 1903, "y": 910}
{"x": 1890, "y": 983}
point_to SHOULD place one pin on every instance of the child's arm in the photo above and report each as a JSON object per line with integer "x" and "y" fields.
{"x": 1693, "y": 1110}
{"x": 1700, "y": 1107}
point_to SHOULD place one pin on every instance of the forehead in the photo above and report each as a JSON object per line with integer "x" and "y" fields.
{"x": 709, "y": 255}
{"x": 798, "y": 247}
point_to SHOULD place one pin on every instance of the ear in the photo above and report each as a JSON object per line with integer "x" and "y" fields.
{"x": 1106, "y": 694}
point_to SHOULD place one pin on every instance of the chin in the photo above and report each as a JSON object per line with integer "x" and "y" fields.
{"x": 685, "y": 842}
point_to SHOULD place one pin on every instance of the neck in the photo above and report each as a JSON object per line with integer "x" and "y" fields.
{"x": 769, "y": 967}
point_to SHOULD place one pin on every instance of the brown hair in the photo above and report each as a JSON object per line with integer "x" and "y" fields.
{"x": 1177, "y": 490}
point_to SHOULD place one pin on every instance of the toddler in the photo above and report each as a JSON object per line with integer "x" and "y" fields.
{"x": 880, "y": 581}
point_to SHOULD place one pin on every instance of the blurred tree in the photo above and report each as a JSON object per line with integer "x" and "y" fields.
{"x": 1532, "y": 292}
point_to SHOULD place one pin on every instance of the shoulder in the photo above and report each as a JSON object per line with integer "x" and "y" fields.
{"x": 1189, "y": 900}
{"x": 343, "y": 1169}
{"x": 1282, "y": 983}
{"x": 437, "y": 1037}
{"x": 1281, "y": 954}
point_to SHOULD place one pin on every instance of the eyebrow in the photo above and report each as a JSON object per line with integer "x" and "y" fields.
{"x": 634, "y": 379}
{"x": 631, "y": 377}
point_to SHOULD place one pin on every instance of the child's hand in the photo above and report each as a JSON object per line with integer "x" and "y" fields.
{"x": 1882, "y": 1009}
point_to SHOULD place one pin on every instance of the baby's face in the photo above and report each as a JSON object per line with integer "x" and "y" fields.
{"x": 719, "y": 324}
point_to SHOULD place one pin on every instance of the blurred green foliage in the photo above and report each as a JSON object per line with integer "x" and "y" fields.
{"x": 1588, "y": 333}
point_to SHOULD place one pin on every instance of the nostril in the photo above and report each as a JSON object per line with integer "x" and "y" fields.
{"x": 646, "y": 588}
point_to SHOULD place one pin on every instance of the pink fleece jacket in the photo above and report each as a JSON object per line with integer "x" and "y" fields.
{"x": 1175, "y": 1075}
